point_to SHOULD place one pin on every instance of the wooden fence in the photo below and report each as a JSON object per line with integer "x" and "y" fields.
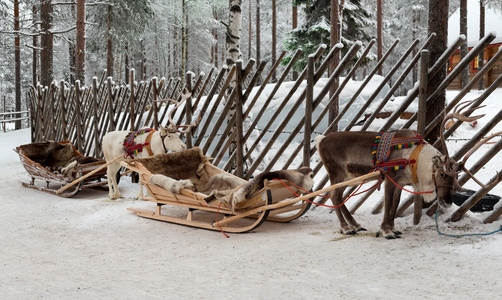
{"x": 269, "y": 133}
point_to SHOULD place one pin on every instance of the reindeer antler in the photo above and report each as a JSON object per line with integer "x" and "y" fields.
{"x": 175, "y": 128}
{"x": 473, "y": 149}
{"x": 459, "y": 115}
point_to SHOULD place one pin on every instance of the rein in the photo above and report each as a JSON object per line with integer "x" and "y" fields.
{"x": 162, "y": 138}
{"x": 460, "y": 235}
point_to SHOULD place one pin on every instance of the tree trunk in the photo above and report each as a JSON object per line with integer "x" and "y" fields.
{"x": 438, "y": 23}
{"x": 379, "y": 34}
{"x": 481, "y": 57}
{"x": 46, "y": 42}
{"x": 274, "y": 37}
{"x": 258, "y": 52}
{"x": 126, "y": 63}
{"x": 294, "y": 25}
{"x": 233, "y": 54}
{"x": 335, "y": 37}
{"x": 214, "y": 52}
{"x": 71, "y": 49}
{"x": 35, "y": 45}
{"x": 416, "y": 22}
{"x": 80, "y": 45}
{"x": 464, "y": 50}
{"x": 184, "y": 51}
{"x": 17, "y": 58}
{"x": 250, "y": 30}
{"x": 109, "y": 49}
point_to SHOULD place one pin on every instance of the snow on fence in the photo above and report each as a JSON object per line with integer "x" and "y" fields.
{"x": 272, "y": 125}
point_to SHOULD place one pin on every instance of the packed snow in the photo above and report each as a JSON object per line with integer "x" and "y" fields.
{"x": 88, "y": 247}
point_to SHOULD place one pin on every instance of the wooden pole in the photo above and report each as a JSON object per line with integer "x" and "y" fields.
{"x": 188, "y": 109}
{"x": 78, "y": 117}
{"x": 97, "y": 145}
{"x": 133, "y": 101}
{"x": 111, "y": 120}
{"x": 87, "y": 175}
{"x": 309, "y": 99}
{"x": 154, "y": 104}
{"x": 239, "y": 121}
{"x": 422, "y": 103}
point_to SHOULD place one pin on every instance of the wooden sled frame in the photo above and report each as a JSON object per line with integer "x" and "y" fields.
{"x": 280, "y": 203}
{"x": 90, "y": 175}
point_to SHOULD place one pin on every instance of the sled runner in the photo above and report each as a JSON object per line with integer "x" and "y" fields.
{"x": 188, "y": 180}
{"x": 64, "y": 170}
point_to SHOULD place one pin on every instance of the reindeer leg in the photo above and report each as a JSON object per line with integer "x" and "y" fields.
{"x": 111, "y": 172}
{"x": 141, "y": 196}
{"x": 395, "y": 203}
{"x": 356, "y": 227}
{"x": 387, "y": 227}
{"x": 342, "y": 213}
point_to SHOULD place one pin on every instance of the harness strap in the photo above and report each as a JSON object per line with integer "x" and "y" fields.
{"x": 413, "y": 162}
{"x": 131, "y": 147}
{"x": 147, "y": 142}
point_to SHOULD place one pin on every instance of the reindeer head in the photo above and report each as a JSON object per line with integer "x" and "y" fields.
{"x": 446, "y": 169}
{"x": 170, "y": 140}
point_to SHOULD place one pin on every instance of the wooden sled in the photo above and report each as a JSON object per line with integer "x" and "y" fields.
{"x": 275, "y": 201}
{"x": 85, "y": 175}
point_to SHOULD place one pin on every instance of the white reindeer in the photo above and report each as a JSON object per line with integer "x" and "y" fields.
{"x": 113, "y": 145}
{"x": 158, "y": 142}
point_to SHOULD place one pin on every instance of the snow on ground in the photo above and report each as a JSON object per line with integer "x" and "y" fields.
{"x": 87, "y": 247}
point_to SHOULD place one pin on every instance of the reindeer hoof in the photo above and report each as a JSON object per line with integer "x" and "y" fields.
{"x": 348, "y": 232}
{"x": 362, "y": 229}
{"x": 391, "y": 235}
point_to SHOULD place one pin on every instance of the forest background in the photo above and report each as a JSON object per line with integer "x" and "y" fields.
{"x": 167, "y": 38}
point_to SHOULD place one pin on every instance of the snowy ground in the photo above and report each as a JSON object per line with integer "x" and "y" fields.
{"x": 87, "y": 247}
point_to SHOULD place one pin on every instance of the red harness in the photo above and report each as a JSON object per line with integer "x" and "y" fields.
{"x": 130, "y": 147}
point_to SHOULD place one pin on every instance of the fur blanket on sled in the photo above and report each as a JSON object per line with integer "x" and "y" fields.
{"x": 56, "y": 157}
{"x": 186, "y": 169}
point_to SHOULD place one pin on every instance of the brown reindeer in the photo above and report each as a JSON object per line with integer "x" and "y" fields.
{"x": 348, "y": 154}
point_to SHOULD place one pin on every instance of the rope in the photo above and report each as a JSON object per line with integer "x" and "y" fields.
{"x": 320, "y": 204}
{"x": 411, "y": 192}
{"x": 218, "y": 221}
{"x": 461, "y": 235}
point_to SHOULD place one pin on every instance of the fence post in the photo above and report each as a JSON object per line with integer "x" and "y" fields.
{"x": 188, "y": 109}
{"x": 239, "y": 121}
{"x": 97, "y": 145}
{"x": 154, "y": 103}
{"x": 309, "y": 99}
{"x": 78, "y": 118}
{"x": 133, "y": 100}
{"x": 422, "y": 100}
{"x": 62, "y": 99}
{"x": 111, "y": 119}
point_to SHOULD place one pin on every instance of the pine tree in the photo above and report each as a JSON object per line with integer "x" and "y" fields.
{"x": 316, "y": 30}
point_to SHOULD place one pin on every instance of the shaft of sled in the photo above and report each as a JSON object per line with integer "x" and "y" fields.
{"x": 87, "y": 175}
{"x": 353, "y": 181}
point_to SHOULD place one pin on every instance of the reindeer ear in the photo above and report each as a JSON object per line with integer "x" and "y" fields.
{"x": 437, "y": 161}
{"x": 163, "y": 130}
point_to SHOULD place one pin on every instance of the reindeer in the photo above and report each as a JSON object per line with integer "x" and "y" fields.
{"x": 155, "y": 142}
{"x": 348, "y": 154}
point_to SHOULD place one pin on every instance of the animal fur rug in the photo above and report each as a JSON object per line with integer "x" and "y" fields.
{"x": 56, "y": 157}
{"x": 185, "y": 169}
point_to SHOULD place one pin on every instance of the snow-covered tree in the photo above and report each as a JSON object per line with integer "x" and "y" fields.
{"x": 315, "y": 31}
